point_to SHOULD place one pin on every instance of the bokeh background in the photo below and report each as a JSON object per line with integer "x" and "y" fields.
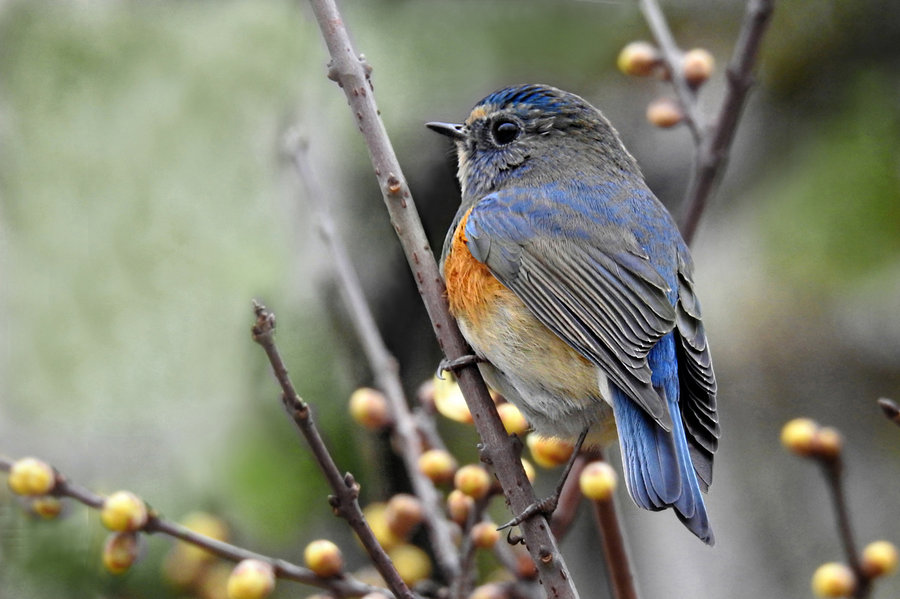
{"x": 144, "y": 200}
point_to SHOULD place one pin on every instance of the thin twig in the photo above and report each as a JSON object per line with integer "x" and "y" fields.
{"x": 833, "y": 469}
{"x": 342, "y": 586}
{"x": 345, "y": 500}
{"x": 672, "y": 57}
{"x": 712, "y": 141}
{"x": 383, "y": 364}
{"x": 352, "y": 74}
{"x": 712, "y": 152}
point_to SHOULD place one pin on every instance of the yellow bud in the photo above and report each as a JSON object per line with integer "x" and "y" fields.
{"x": 120, "y": 551}
{"x": 207, "y": 525}
{"x": 639, "y": 59}
{"x": 598, "y": 481}
{"x": 404, "y": 513}
{"x": 664, "y": 112}
{"x": 828, "y": 443}
{"x": 833, "y": 580}
{"x": 251, "y": 579}
{"x": 530, "y": 471}
{"x": 491, "y": 590}
{"x": 473, "y": 480}
{"x": 31, "y": 476}
{"x": 698, "y": 65}
{"x": 123, "y": 511}
{"x": 549, "y": 452}
{"x": 438, "y": 465}
{"x": 449, "y": 400}
{"x": 376, "y": 516}
{"x": 324, "y": 558}
{"x": 411, "y": 562}
{"x": 459, "y": 505}
{"x": 46, "y": 506}
{"x": 879, "y": 558}
{"x": 485, "y": 535}
{"x": 799, "y": 435}
{"x": 213, "y": 583}
{"x": 513, "y": 420}
{"x": 370, "y": 408}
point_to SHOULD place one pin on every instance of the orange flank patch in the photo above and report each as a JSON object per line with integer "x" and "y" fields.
{"x": 471, "y": 288}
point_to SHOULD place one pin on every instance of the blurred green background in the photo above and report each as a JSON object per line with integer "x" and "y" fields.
{"x": 144, "y": 201}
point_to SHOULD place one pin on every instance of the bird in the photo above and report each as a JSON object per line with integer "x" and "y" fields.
{"x": 575, "y": 289}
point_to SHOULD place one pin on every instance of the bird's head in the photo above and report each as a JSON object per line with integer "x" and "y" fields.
{"x": 535, "y": 134}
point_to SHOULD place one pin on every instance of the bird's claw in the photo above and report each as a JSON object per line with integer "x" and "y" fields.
{"x": 455, "y": 364}
{"x": 545, "y": 506}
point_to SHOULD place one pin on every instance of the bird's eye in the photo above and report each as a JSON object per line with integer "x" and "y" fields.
{"x": 505, "y": 131}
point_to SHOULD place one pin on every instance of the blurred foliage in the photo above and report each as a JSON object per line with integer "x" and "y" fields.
{"x": 834, "y": 215}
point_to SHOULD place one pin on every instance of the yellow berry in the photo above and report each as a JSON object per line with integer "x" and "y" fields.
{"x": 473, "y": 480}
{"x": 123, "y": 511}
{"x": 879, "y": 558}
{"x": 549, "y": 452}
{"x": 799, "y": 435}
{"x": 639, "y": 59}
{"x": 404, "y": 513}
{"x": 491, "y": 590}
{"x": 376, "y": 516}
{"x": 120, "y": 551}
{"x": 459, "y": 505}
{"x": 370, "y": 408}
{"x": 251, "y": 579}
{"x": 31, "y": 476}
{"x": 449, "y": 400}
{"x": 438, "y": 465}
{"x": 697, "y": 65}
{"x": 46, "y": 506}
{"x": 664, "y": 112}
{"x": 828, "y": 443}
{"x": 833, "y": 580}
{"x": 513, "y": 420}
{"x": 485, "y": 535}
{"x": 411, "y": 562}
{"x": 530, "y": 471}
{"x": 324, "y": 558}
{"x": 598, "y": 481}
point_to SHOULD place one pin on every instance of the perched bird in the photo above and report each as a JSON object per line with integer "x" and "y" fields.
{"x": 574, "y": 287}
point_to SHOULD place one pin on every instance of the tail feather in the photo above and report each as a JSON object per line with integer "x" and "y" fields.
{"x": 659, "y": 472}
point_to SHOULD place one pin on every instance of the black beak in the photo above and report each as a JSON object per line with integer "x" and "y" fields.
{"x": 451, "y": 130}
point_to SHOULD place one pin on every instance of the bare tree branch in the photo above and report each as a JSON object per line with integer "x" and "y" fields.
{"x": 346, "y": 489}
{"x": 342, "y": 586}
{"x": 384, "y": 367}
{"x": 712, "y": 141}
{"x": 352, "y": 74}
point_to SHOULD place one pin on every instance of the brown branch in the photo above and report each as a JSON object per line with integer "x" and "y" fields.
{"x": 713, "y": 141}
{"x": 833, "y": 469}
{"x": 346, "y": 489}
{"x": 712, "y": 152}
{"x": 342, "y": 586}
{"x": 351, "y": 72}
{"x": 384, "y": 365}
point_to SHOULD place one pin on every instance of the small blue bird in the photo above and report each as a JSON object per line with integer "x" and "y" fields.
{"x": 574, "y": 287}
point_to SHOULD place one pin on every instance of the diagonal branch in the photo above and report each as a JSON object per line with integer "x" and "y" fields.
{"x": 383, "y": 365}
{"x": 343, "y": 586}
{"x": 712, "y": 141}
{"x": 352, "y": 74}
{"x": 346, "y": 489}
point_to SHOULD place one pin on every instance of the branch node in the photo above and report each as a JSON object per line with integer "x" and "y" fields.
{"x": 264, "y": 327}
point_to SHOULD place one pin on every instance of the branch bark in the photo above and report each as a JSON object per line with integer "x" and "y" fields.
{"x": 352, "y": 74}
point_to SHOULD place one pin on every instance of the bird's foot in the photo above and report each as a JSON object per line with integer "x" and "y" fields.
{"x": 456, "y": 364}
{"x": 547, "y": 505}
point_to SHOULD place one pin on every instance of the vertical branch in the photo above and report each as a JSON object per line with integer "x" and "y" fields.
{"x": 383, "y": 364}
{"x": 712, "y": 142}
{"x": 352, "y": 74}
{"x": 615, "y": 551}
{"x": 833, "y": 469}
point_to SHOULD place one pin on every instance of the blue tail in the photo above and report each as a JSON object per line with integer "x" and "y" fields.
{"x": 658, "y": 468}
